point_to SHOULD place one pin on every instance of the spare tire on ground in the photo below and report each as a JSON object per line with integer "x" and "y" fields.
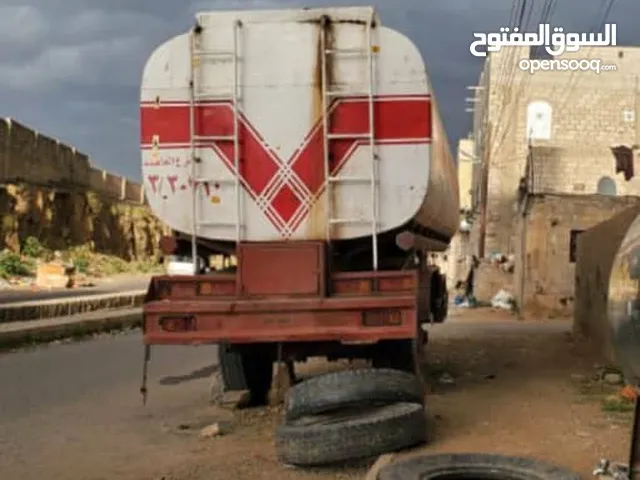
{"x": 468, "y": 466}
{"x": 351, "y": 388}
{"x": 351, "y": 434}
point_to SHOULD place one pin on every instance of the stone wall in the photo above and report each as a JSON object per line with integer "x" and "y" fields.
{"x": 63, "y": 219}
{"x": 549, "y": 271}
{"x": 589, "y": 113}
{"x": 29, "y": 157}
{"x": 596, "y": 251}
{"x": 50, "y": 191}
{"x": 489, "y": 279}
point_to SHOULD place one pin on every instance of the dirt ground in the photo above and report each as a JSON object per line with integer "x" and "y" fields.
{"x": 497, "y": 385}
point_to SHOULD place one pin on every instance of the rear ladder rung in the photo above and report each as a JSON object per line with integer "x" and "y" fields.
{"x": 214, "y": 138}
{"x": 349, "y": 179}
{"x": 335, "y": 221}
{"x": 348, "y": 136}
{"x": 207, "y": 223}
{"x": 214, "y": 54}
{"x": 225, "y": 95}
{"x": 215, "y": 180}
{"x": 347, "y": 51}
{"x": 346, "y": 93}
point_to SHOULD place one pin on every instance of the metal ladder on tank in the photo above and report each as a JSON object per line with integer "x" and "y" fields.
{"x": 197, "y": 55}
{"x": 328, "y": 96}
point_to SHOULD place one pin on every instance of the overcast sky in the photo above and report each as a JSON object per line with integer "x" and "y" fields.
{"x": 71, "y": 68}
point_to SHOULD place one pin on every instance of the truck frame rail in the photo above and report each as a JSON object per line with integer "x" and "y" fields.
{"x": 282, "y": 292}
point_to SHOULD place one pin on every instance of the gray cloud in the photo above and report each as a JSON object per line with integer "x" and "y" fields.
{"x": 71, "y": 68}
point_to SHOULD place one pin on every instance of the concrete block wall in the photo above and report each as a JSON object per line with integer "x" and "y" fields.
{"x": 588, "y": 117}
{"x": 488, "y": 280}
{"x": 596, "y": 252}
{"x": 549, "y": 284}
{"x": 26, "y": 156}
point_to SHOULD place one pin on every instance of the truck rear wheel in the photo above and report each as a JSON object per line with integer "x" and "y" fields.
{"x": 247, "y": 368}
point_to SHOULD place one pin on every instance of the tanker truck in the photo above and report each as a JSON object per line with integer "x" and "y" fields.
{"x": 307, "y": 145}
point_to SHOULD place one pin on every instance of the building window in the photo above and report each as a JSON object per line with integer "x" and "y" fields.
{"x": 539, "y": 121}
{"x": 607, "y": 186}
{"x": 573, "y": 244}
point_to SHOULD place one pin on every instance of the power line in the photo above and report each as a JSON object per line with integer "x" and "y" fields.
{"x": 605, "y": 10}
{"x": 508, "y": 65}
{"x": 546, "y": 12}
{"x": 512, "y": 18}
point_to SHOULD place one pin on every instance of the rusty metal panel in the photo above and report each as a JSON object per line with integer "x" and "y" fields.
{"x": 285, "y": 320}
{"x": 282, "y": 269}
{"x": 369, "y": 283}
{"x": 351, "y": 286}
{"x": 193, "y": 287}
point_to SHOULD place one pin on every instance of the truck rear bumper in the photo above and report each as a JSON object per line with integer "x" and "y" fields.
{"x": 358, "y": 319}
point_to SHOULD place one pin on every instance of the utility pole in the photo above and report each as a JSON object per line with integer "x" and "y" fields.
{"x": 636, "y": 113}
{"x": 484, "y": 185}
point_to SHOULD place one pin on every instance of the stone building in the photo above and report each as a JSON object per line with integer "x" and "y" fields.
{"x": 547, "y": 168}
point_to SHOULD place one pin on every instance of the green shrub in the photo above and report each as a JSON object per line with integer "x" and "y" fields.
{"x": 81, "y": 264}
{"x": 33, "y": 248}
{"x": 11, "y": 265}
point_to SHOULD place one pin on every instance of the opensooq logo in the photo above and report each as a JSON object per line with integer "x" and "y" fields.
{"x": 555, "y": 41}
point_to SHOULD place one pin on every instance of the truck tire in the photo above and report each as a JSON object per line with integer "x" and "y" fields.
{"x": 351, "y": 435}
{"x": 247, "y": 370}
{"x": 352, "y": 388}
{"x": 473, "y": 465}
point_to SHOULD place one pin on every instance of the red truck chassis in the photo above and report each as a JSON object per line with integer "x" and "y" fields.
{"x": 281, "y": 295}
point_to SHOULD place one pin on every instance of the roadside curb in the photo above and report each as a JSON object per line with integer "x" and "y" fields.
{"x": 58, "y": 308}
{"x": 16, "y": 334}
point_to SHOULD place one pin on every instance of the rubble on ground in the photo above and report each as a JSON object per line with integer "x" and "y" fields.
{"x": 503, "y": 300}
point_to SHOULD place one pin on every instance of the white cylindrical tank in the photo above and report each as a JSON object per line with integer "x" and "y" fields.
{"x": 262, "y": 81}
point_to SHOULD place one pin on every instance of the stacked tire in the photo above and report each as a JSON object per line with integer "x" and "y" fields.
{"x": 474, "y": 465}
{"x": 350, "y": 415}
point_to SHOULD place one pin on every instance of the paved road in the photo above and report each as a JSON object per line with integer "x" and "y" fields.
{"x": 116, "y": 285}
{"x": 73, "y": 411}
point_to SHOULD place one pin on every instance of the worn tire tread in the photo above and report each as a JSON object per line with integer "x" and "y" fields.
{"x": 351, "y": 388}
{"x": 383, "y": 430}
